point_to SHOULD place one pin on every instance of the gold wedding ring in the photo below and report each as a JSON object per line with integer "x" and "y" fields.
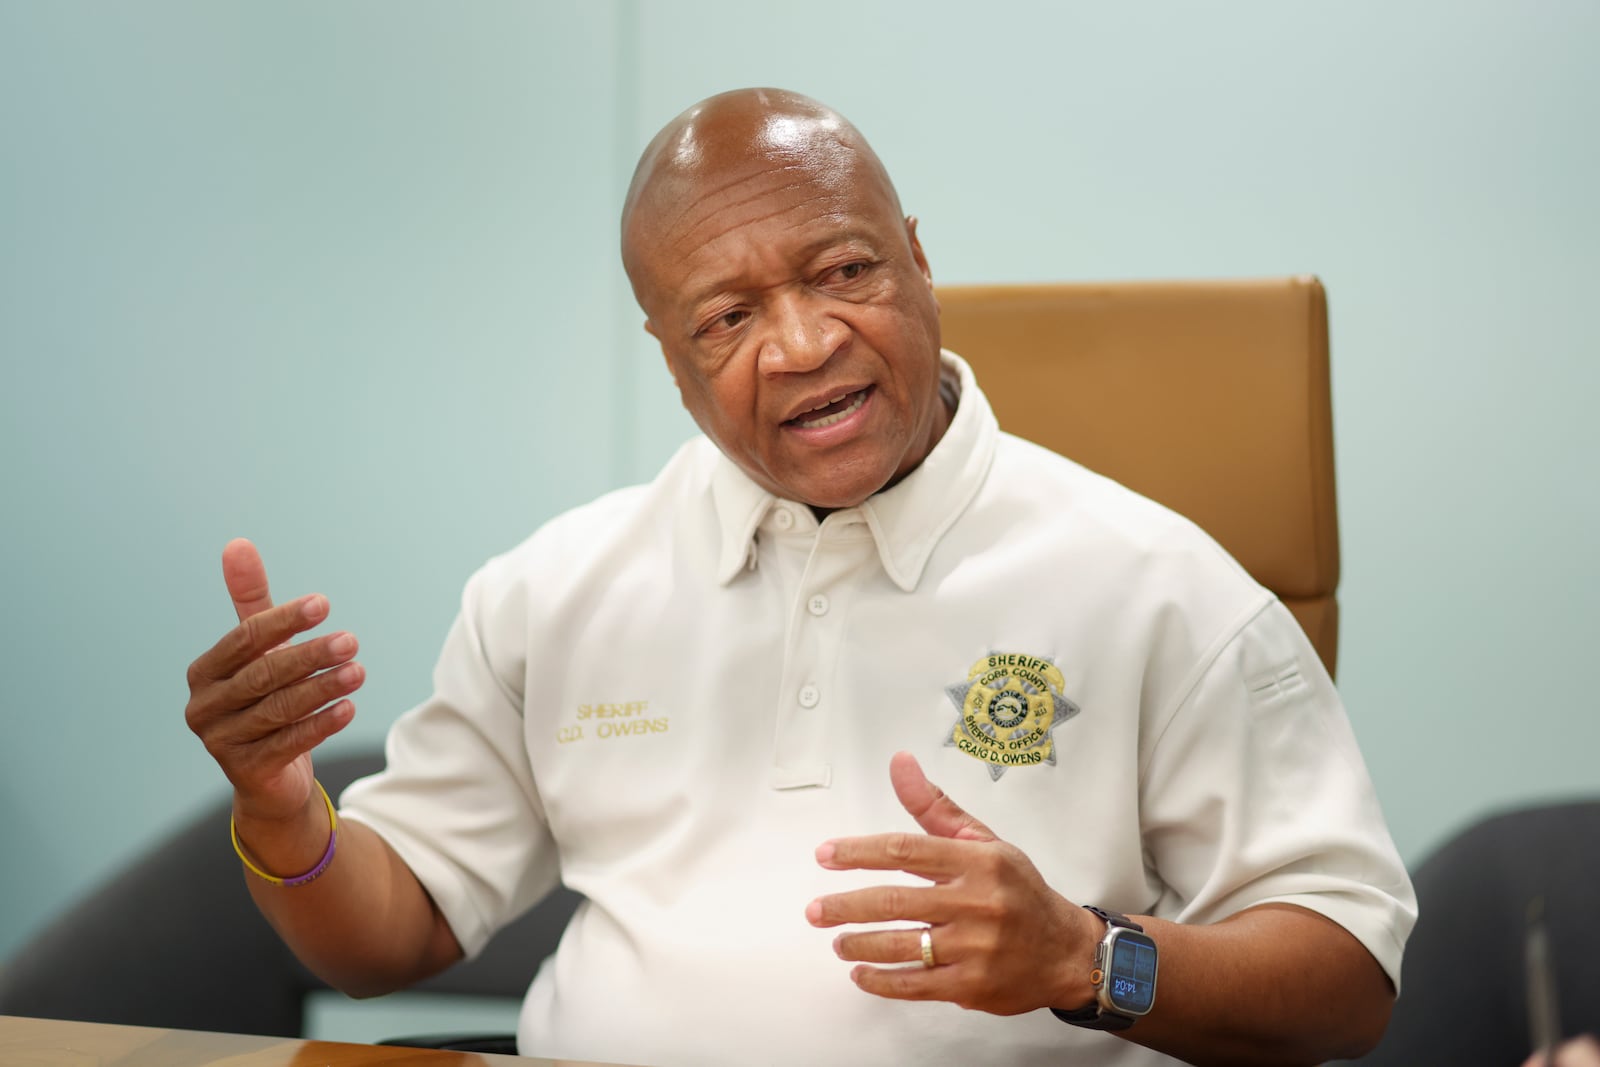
{"x": 927, "y": 946}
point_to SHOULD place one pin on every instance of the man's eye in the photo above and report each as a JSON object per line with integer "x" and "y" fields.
{"x": 724, "y": 322}
{"x": 851, "y": 271}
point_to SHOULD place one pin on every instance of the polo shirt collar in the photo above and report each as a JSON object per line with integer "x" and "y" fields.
{"x": 906, "y": 521}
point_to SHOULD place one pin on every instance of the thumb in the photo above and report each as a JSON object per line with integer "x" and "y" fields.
{"x": 927, "y": 803}
{"x": 246, "y": 577}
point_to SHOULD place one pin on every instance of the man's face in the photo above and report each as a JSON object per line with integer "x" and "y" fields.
{"x": 796, "y": 312}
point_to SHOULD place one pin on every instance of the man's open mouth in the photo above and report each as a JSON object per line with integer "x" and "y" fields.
{"x": 832, "y": 411}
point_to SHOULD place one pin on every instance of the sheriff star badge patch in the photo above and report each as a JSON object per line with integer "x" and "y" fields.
{"x": 1006, "y": 709}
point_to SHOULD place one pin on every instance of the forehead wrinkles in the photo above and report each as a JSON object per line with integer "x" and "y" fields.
{"x": 713, "y": 212}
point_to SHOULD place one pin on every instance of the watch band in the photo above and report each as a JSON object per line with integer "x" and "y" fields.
{"x": 1094, "y": 1017}
{"x": 1113, "y": 918}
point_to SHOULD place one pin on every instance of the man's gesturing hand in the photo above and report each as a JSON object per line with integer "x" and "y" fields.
{"x": 253, "y": 695}
{"x": 1003, "y": 941}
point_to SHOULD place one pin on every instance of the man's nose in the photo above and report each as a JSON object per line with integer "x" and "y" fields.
{"x": 801, "y": 334}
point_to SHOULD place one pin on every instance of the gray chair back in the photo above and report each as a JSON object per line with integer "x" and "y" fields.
{"x": 1463, "y": 982}
{"x": 174, "y": 940}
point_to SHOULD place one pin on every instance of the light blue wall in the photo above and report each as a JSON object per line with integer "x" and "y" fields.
{"x": 335, "y": 276}
{"x": 342, "y": 278}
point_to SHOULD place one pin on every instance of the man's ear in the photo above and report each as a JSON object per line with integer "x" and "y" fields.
{"x": 918, "y": 256}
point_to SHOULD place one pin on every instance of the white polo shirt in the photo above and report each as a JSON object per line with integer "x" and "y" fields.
{"x": 668, "y": 698}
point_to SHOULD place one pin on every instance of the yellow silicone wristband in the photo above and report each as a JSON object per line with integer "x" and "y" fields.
{"x": 301, "y": 879}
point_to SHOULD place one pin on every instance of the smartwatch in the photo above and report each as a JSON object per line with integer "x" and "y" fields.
{"x": 1124, "y": 976}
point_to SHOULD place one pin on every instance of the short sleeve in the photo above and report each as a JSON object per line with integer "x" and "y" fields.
{"x": 457, "y": 799}
{"x": 1255, "y": 791}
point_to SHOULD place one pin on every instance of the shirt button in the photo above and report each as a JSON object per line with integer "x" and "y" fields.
{"x": 817, "y": 605}
{"x": 809, "y": 696}
{"x": 783, "y": 519}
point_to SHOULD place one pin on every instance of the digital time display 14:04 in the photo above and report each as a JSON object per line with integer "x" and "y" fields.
{"x": 1132, "y": 975}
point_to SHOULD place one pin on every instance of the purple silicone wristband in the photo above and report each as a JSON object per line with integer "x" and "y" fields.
{"x": 322, "y": 865}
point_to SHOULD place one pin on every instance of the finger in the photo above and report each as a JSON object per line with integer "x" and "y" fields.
{"x": 255, "y": 636}
{"x": 1581, "y": 1051}
{"x": 894, "y": 946}
{"x": 246, "y": 578}
{"x": 905, "y": 983}
{"x": 937, "y": 859}
{"x": 290, "y": 705}
{"x": 882, "y": 903}
{"x": 284, "y": 746}
{"x": 927, "y": 803}
{"x": 276, "y": 670}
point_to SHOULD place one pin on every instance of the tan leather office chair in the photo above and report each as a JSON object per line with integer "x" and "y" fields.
{"x": 1210, "y": 397}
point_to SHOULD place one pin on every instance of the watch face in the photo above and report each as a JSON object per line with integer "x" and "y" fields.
{"x": 1130, "y": 979}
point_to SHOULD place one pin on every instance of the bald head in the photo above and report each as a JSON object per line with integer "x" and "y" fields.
{"x": 723, "y": 139}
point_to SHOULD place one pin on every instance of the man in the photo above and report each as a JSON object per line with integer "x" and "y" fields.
{"x": 681, "y": 701}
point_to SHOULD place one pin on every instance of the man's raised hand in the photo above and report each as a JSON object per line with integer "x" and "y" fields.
{"x": 1003, "y": 941}
{"x": 254, "y": 697}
